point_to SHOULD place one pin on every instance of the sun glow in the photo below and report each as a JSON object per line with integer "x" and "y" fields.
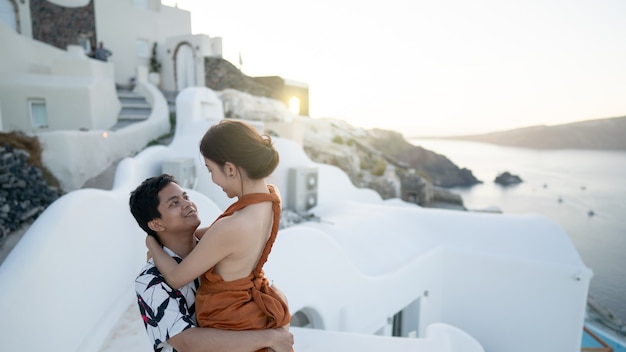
{"x": 294, "y": 105}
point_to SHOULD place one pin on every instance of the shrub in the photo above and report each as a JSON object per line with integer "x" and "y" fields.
{"x": 379, "y": 169}
{"x": 337, "y": 139}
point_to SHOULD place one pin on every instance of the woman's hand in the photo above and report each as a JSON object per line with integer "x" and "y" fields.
{"x": 150, "y": 241}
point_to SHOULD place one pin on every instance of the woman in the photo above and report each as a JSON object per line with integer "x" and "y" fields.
{"x": 234, "y": 293}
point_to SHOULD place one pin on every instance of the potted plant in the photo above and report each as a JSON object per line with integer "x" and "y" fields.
{"x": 155, "y": 67}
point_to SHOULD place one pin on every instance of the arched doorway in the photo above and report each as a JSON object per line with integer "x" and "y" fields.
{"x": 185, "y": 67}
{"x": 8, "y": 14}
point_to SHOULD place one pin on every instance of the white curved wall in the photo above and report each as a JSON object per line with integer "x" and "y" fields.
{"x": 74, "y": 157}
{"x": 73, "y": 271}
{"x": 505, "y": 282}
{"x": 70, "y": 3}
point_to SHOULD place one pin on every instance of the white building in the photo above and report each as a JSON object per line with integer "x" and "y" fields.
{"x": 50, "y": 87}
{"x": 48, "y": 79}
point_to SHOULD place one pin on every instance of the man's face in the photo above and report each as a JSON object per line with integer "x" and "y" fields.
{"x": 178, "y": 212}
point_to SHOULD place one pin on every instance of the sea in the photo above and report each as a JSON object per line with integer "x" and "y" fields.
{"x": 582, "y": 190}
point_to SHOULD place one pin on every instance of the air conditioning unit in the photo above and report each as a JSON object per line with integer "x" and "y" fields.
{"x": 183, "y": 170}
{"x": 302, "y": 189}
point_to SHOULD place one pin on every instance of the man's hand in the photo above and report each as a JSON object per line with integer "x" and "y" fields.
{"x": 282, "y": 340}
{"x": 215, "y": 340}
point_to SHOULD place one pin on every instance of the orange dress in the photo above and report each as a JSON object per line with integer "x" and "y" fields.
{"x": 249, "y": 302}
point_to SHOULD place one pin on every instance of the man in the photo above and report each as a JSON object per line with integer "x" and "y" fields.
{"x": 163, "y": 210}
{"x": 101, "y": 53}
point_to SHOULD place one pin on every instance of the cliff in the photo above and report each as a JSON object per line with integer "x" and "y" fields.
{"x": 437, "y": 168}
{"x": 385, "y": 162}
{"x": 601, "y": 134}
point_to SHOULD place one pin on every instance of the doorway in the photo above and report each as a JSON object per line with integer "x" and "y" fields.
{"x": 185, "y": 67}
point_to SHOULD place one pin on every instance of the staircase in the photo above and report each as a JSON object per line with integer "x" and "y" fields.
{"x": 135, "y": 108}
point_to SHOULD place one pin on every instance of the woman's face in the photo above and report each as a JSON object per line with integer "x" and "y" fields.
{"x": 219, "y": 177}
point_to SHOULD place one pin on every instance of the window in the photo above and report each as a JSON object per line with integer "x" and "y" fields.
{"x": 143, "y": 48}
{"x": 152, "y": 5}
{"x": 140, "y": 4}
{"x": 38, "y": 114}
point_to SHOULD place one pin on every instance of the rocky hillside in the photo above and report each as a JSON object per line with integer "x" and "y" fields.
{"x": 437, "y": 168}
{"x": 605, "y": 134}
{"x": 221, "y": 74}
{"x": 377, "y": 159}
{"x": 385, "y": 162}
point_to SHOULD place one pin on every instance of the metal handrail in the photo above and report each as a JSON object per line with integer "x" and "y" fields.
{"x": 604, "y": 348}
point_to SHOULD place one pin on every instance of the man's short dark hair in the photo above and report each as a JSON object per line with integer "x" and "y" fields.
{"x": 144, "y": 201}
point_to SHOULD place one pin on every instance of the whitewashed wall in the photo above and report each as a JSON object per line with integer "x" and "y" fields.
{"x": 504, "y": 282}
{"x": 119, "y": 25}
{"x": 70, "y": 3}
{"x": 78, "y": 92}
{"x": 74, "y": 157}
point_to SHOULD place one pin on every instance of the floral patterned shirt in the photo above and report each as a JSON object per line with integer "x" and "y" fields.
{"x": 165, "y": 311}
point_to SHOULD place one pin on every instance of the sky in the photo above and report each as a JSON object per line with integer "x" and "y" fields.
{"x": 436, "y": 67}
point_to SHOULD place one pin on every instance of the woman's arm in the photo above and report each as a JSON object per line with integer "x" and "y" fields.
{"x": 219, "y": 241}
{"x": 200, "y": 232}
{"x": 164, "y": 262}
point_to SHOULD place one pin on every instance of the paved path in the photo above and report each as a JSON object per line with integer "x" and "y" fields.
{"x": 11, "y": 240}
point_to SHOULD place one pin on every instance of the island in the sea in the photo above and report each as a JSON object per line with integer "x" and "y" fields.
{"x": 599, "y": 134}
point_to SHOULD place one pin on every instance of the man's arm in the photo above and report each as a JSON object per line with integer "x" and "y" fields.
{"x": 210, "y": 340}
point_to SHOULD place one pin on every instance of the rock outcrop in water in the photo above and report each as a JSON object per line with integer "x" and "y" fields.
{"x": 507, "y": 179}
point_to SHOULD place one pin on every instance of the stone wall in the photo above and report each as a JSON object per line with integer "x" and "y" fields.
{"x": 24, "y": 193}
{"x": 60, "y": 26}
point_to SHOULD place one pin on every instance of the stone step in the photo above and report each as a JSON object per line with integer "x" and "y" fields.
{"x": 130, "y": 118}
{"x": 135, "y": 108}
{"x": 135, "y": 105}
{"x": 133, "y": 101}
{"x": 134, "y": 117}
{"x": 121, "y": 124}
{"x": 128, "y": 93}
